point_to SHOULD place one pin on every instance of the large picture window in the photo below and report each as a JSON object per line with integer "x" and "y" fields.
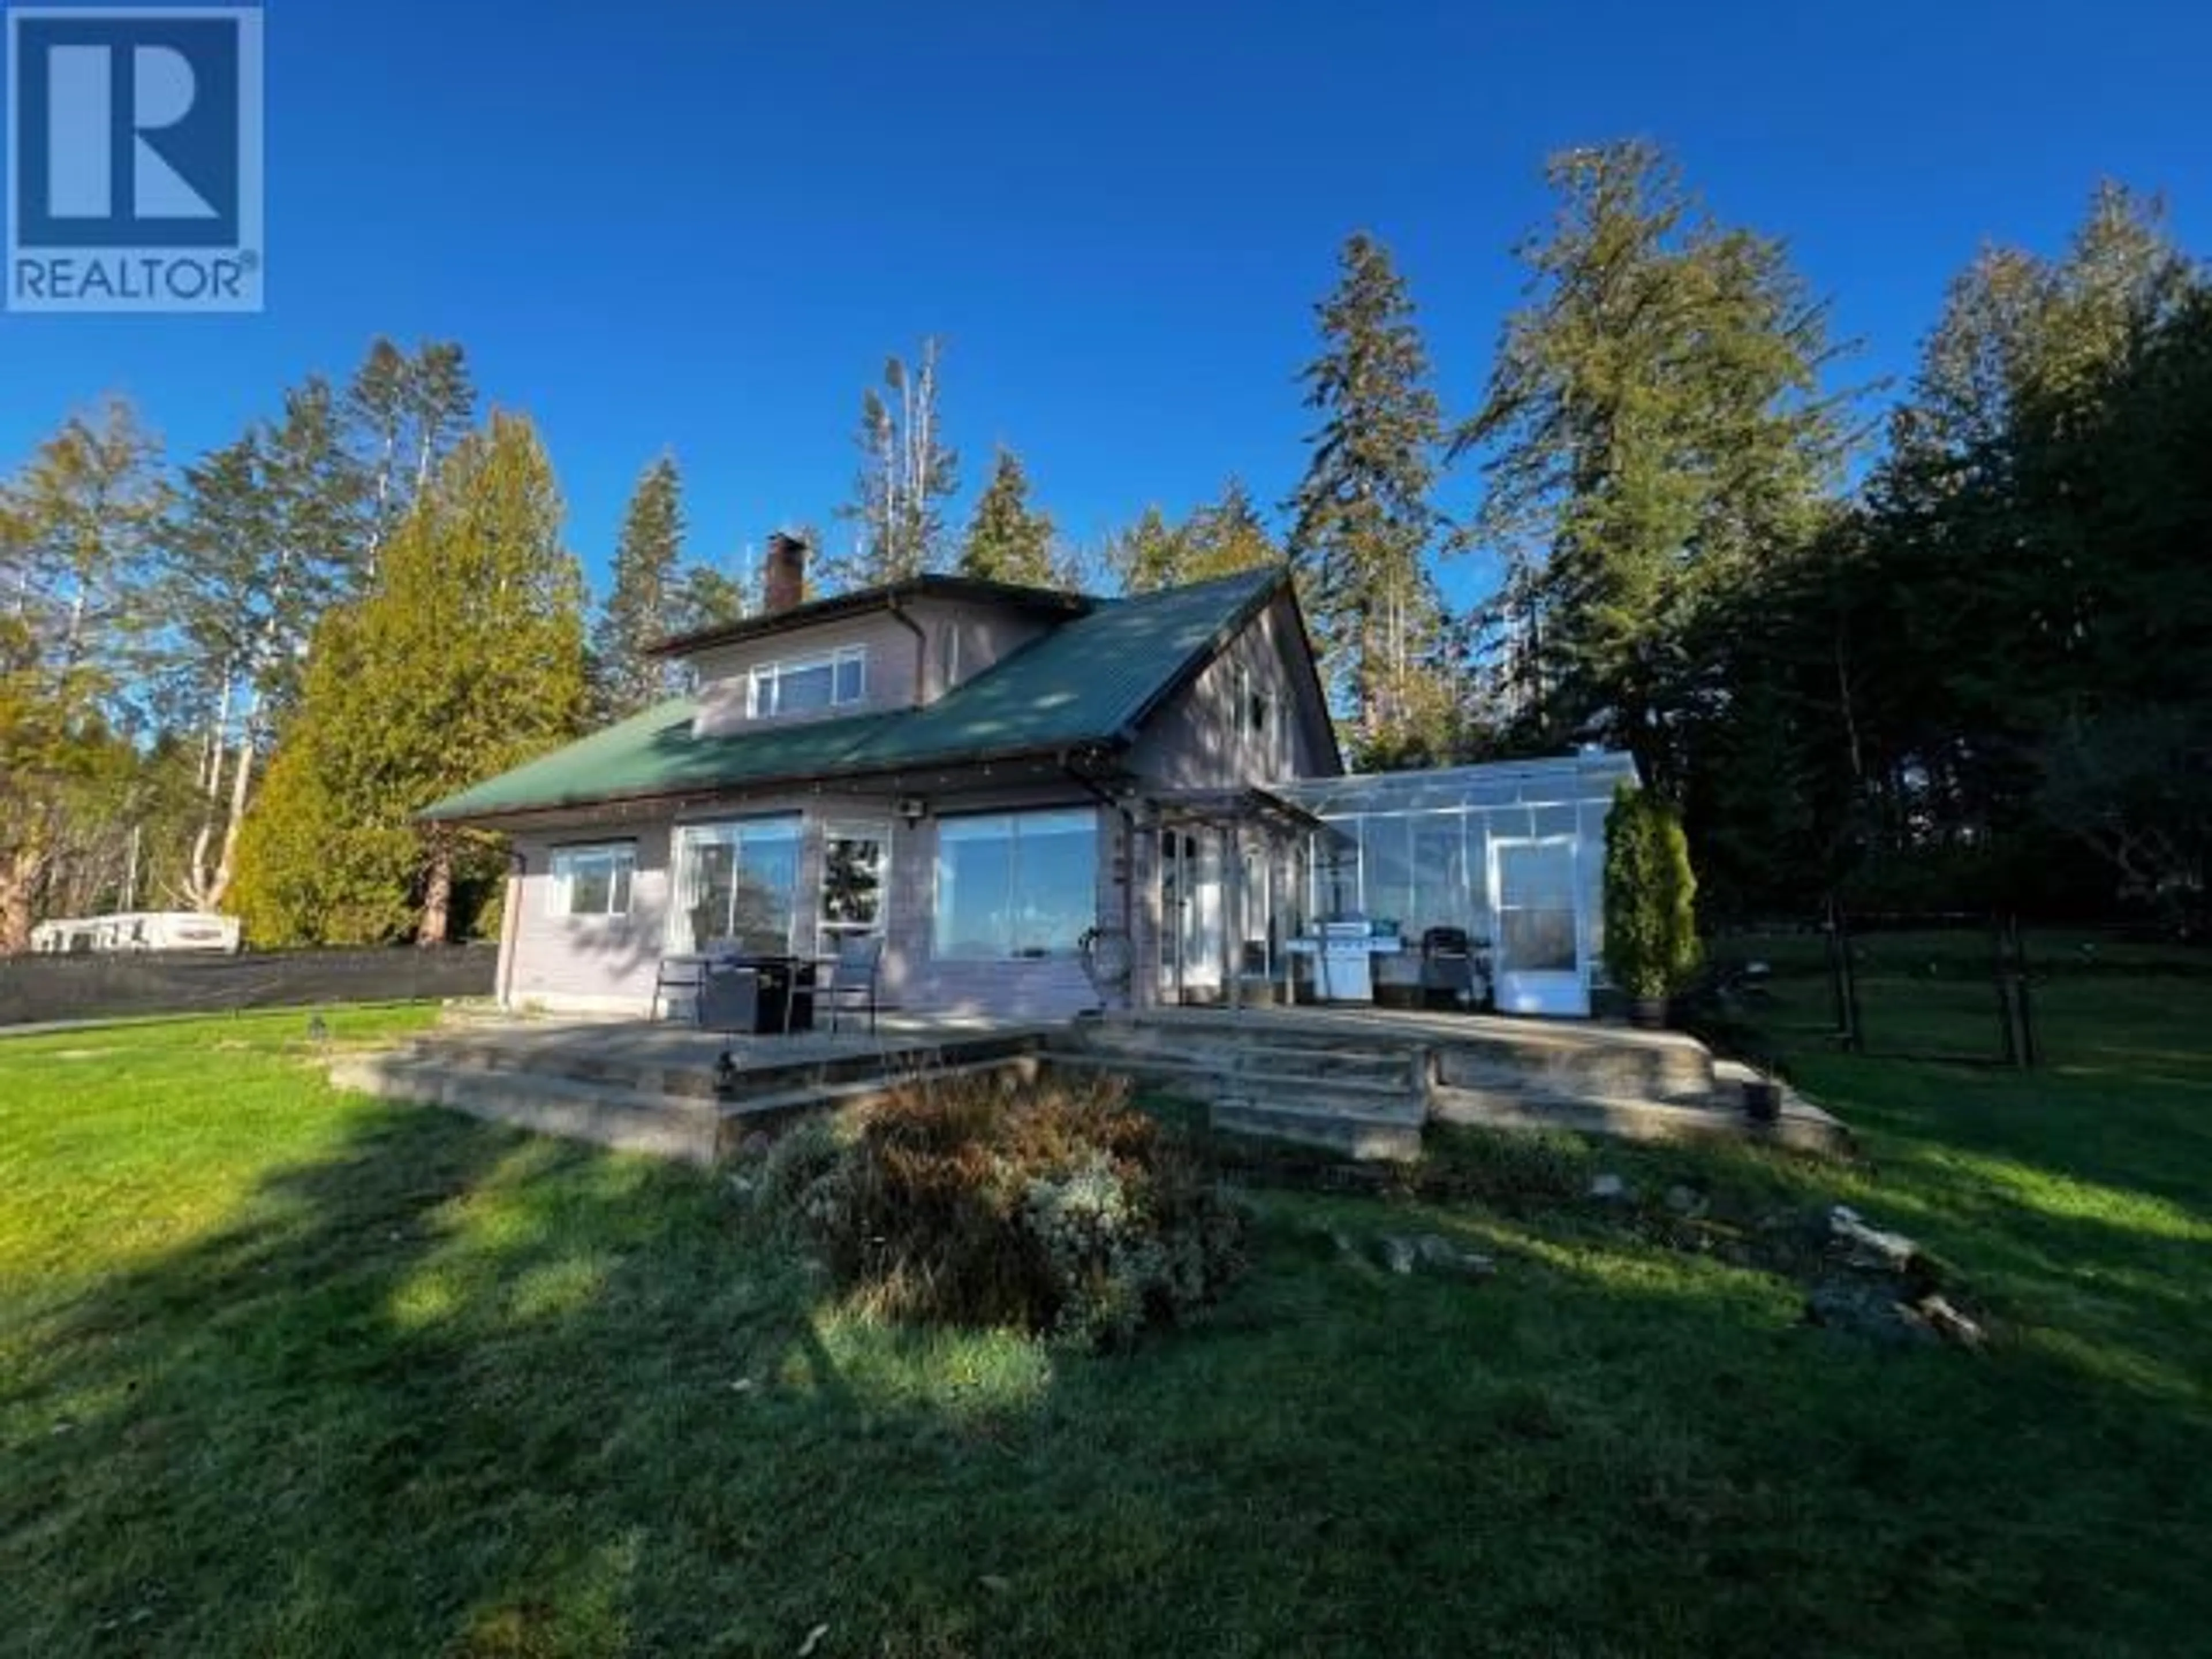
{"x": 1016, "y": 884}
{"x": 807, "y": 685}
{"x": 591, "y": 881}
{"x": 735, "y": 881}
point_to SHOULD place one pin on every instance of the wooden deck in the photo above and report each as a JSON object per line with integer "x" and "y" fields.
{"x": 1366, "y": 1081}
{"x": 673, "y": 1089}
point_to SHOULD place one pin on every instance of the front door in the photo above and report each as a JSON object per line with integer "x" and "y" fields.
{"x": 1539, "y": 964}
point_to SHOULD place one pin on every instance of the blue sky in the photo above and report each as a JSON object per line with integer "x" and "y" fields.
{"x": 702, "y": 227}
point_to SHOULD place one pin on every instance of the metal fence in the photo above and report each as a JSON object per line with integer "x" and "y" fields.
{"x": 1972, "y": 989}
{"x": 38, "y": 989}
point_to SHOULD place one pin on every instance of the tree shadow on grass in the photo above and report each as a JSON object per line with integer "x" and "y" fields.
{"x": 447, "y": 1389}
{"x": 453, "y": 1389}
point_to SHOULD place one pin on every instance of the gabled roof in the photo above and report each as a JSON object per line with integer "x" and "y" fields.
{"x": 1091, "y": 681}
{"x": 1040, "y": 601}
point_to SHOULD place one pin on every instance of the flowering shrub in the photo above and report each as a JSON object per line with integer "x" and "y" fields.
{"x": 1053, "y": 1206}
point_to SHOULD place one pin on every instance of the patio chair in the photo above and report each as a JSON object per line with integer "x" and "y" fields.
{"x": 1447, "y": 970}
{"x": 685, "y": 976}
{"x": 853, "y": 974}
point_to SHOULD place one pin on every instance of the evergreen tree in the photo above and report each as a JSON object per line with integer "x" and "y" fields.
{"x": 1147, "y": 556}
{"x": 1007, "y": 541}
{"x": 464, "y": 658}
{"x": 649, "y": 601}
{"x": 77, "y": 529}
{"x": 1225, "y": 536}
{"x": 1363, "y": 523}
{"x": 1218, "y": 539}
{"x": 1655, "y": 430}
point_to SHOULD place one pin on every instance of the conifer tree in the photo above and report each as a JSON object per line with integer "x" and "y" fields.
{"x": 464, "y": 658}
{"x": 1363, "y": 523}
{"x": 648, "y": 601}
{"x": 1008, "y": 541}
{"x": 1655, "y": 431}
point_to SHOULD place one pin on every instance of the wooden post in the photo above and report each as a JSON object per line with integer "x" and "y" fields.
{"x": 1231, "y": 841}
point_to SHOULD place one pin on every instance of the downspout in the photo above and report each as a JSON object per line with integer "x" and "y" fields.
{"x": 920, "y": 648}
{"x": 1128, "y": 817}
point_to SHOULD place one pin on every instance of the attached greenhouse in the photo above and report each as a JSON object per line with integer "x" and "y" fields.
{"x": 1509, "y": 856}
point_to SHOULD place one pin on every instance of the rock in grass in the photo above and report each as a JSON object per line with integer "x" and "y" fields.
{"x": 1948, "y": 1323}
{"x": 1857, "y": 1308}
{"x": 1398, "y": 1253}
{"x": 1440, "y": 1255}
{"x": 1608, "y": 1188}
{"x": 1685, "y": 1202}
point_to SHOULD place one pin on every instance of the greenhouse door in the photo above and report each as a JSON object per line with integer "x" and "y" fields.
{"x": 1539, "y": 953}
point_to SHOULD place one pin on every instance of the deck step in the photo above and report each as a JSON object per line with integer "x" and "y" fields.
{"x": 1801, "y": 1126}
{"x": 667, "y": 1126}
{"x": 762, "y": 1071}
{"x": 1214, "y": 1077}
{"x": 1358, "y": 1134}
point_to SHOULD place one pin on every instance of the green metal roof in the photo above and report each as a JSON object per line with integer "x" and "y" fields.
{"x": 1093, "y": 679}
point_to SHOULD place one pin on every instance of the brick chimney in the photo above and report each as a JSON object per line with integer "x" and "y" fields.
{"x": 783, "y": 574}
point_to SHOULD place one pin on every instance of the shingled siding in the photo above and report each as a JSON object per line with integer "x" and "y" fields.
{"x": 724, "y": 670}
{"x": 1202, "y": 740}
{"x": 1053, "y": 987}
{"x": 586, "y": 961}
{"x": 608, "y": 963}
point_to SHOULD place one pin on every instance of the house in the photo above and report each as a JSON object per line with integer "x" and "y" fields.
{"x": 1040, "y": 802}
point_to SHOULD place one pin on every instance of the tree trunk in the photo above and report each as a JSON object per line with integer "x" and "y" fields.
{"x": 226, "y": 868}
{"x": 437, "y": 893}
{"x": 18, "y": 880}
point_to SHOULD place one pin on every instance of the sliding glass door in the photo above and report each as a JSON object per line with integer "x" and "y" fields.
{"x": 735, "y": 881}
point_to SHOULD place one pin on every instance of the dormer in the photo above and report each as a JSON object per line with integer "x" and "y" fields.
{"x": 900, "y": 646}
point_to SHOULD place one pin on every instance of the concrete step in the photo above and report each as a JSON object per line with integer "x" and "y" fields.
{"x": 667, "y": 1126}
{"x": 1364, "y": 1135}
{"x": 1284, "y": 1053}
{"x": 763, "y": 1072}
{"x": 740, "y": 1117}
{"x": 1655, "y": 1072}
{"x": 1209, "y": 1078}
{"x": 1585, "y": 1058}
{"x": 1801, "y": 1126}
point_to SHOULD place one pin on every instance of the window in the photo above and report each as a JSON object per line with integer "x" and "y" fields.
{"x": 1017, "y": 884}
{"x": 855, "y": 867}
{"x": 591, "y": 881}
{"x": 1255, "y": 704}
{"x": 807, "y": 685}
{"x": 735, "y": 881}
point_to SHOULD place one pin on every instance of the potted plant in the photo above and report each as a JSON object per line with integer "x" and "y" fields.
{"x": 1650, "y": 903}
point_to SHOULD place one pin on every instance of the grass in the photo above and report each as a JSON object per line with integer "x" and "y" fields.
{"x": 284, "y": 1372}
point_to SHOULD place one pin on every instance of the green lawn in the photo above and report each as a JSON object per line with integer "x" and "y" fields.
{"x": 283, "y": 1371}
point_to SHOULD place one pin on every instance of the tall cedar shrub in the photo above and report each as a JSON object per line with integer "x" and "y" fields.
{"x": 1650, "y": 896}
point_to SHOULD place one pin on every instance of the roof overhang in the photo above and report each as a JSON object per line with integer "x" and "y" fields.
{"x": 1041, "y": 601}
{"x": 975, "y": 771}
{"x": 1247, "y": 807}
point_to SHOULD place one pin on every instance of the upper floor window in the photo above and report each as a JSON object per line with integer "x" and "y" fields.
{"x": 591, "y": 881}
{"x": 1255, "y": 705}
{"x": 806, "y": 685}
